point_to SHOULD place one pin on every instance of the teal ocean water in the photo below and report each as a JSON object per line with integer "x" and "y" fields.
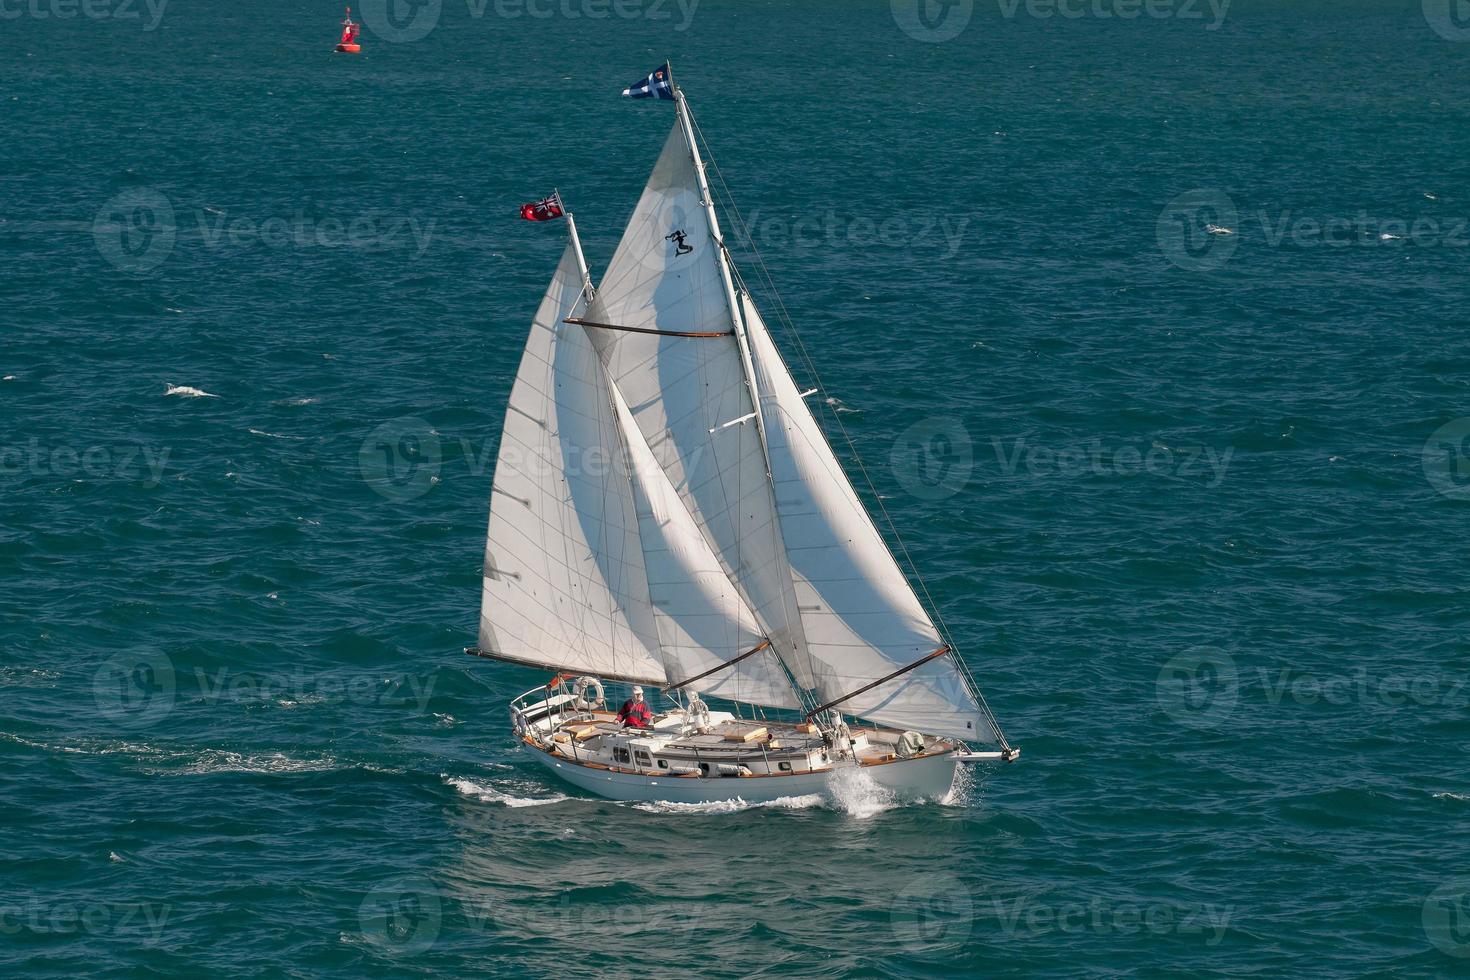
{"x": 1147, "y": 320}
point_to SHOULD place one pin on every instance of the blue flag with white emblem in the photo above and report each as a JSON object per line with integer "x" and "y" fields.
{"x": 658, "y": 85}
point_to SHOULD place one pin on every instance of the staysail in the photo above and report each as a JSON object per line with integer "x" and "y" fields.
{"x": 564, "y": 581}
{"x": 662, "y": 324}
{"x": 860, "y": 616}
{"x": 706, "y": 632}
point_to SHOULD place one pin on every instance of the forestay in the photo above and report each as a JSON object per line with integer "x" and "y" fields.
{"x": 564, "y": 581}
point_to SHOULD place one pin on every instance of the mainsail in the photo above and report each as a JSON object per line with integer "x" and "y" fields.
{"x": 662, "y": 323}
{"x": 564, "y": 582}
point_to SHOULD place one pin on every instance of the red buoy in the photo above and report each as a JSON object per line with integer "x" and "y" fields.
{"x": 348, "y": 44}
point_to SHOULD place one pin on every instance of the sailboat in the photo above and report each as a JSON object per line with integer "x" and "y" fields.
{"x": 348, "y": 44}
{"x": 667, "y": 513}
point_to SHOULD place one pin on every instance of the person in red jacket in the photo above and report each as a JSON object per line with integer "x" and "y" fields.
{"x": 635, "y": 713}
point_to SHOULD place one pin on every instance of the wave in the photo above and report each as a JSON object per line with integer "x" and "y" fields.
{"x": 489, "y": 794}
{"x": 733, "y": 806}
{"x": 185, "y": 391}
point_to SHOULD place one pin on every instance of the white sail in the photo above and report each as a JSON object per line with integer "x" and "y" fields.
{"x": 564, "y": 582}
{"x": 688, "y": 394}
{"x": 861, "y": 618}
{"x": 702, "y": 621}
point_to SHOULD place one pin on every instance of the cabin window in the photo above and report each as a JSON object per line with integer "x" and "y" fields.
{"x": 704, "y": 768}
{"x": 663, "y": 763}
{"x": 784, "y": 766}
{"x": 642, "y": 757}
{"x": 620, "y": 755}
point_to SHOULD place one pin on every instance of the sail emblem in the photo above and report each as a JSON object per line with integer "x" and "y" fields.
{"x": 677, "y": 237}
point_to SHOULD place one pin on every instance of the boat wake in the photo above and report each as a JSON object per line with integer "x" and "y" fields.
{"x": 489, "y": 794}
{"x": 732, "y": 806}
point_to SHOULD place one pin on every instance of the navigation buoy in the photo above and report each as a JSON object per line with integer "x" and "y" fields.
{"x": 348, "y": 44}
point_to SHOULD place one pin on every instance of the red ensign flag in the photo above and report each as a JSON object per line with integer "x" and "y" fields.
{"x": 543, "y": 210}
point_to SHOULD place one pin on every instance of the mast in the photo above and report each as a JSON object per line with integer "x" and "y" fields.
{"x": 587, "y": 289}
{"x": 707, "y": 201}
{"x": 747, "y": 366}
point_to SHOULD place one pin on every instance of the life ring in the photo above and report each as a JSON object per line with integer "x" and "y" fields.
{"x": 580, "y": 700}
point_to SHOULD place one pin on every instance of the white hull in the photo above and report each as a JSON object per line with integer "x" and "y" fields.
{"x": 924, "y": 778}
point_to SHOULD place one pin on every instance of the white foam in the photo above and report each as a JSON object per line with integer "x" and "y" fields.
{"x": 1219, "y": 230}
{"x": 114, "y": 857}
{"x": 273, "y": 435}
{"x": 215, "y": 761}
{"x": 1386, "y": 237}
{"x": 732, "y": 806}
{"x": 489, "y": 794}
{"x": 1453, "y": 796}
{"x": 185, "y": 391}
{"x": 855, "y": 792}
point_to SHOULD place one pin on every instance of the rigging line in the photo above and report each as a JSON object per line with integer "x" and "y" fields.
{"x": 790, "y": 326}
